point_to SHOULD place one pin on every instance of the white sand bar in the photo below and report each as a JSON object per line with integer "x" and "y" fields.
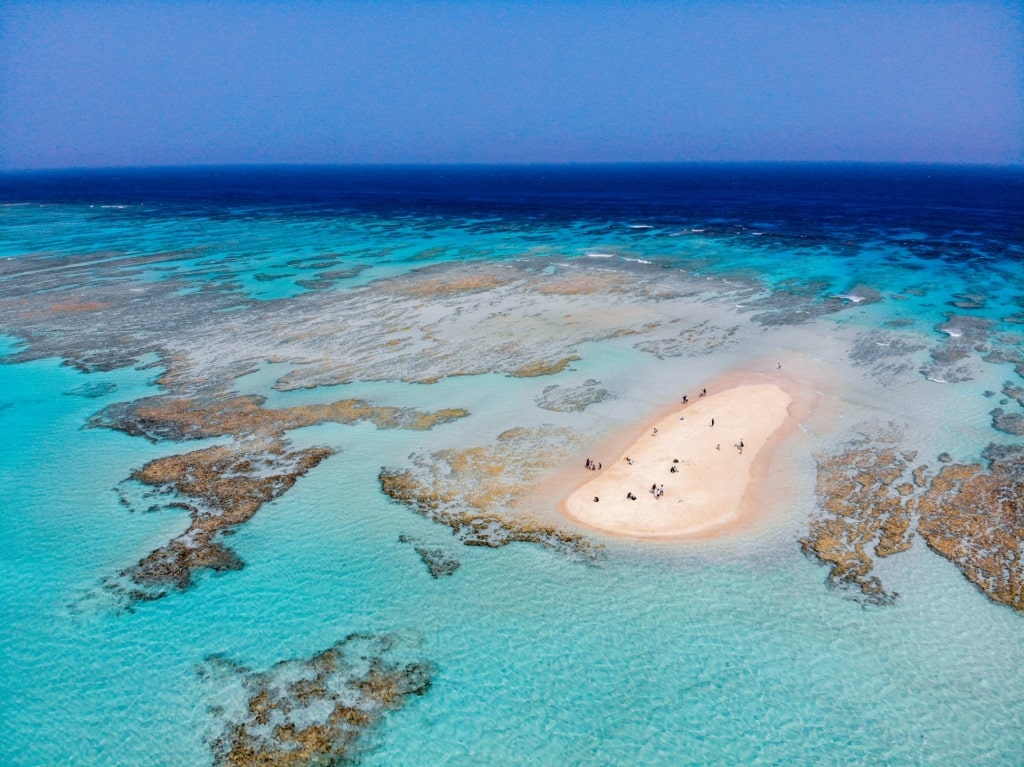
{"x": 712, "y": 477}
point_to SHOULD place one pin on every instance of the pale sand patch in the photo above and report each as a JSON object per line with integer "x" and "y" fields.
{"x": 710, "y": 488}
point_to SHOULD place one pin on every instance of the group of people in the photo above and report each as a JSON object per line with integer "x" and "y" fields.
{"x": 703, "y": 393}
{"x": 656, "y": 490}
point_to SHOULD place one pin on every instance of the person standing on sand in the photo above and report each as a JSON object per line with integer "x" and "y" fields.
{"x": 712, "y": 421}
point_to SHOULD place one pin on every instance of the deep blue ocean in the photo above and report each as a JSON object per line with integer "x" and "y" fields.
{"x": 564, "y": 303}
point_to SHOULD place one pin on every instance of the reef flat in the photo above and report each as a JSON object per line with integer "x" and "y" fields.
{"x": 520, "y": 319}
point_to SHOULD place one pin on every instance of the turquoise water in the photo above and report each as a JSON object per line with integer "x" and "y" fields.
{"x": 727, "y": 651}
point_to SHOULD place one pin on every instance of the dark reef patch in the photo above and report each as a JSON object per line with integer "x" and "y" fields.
{"x": 888, "y": 356}
{"x": 696, "y": 341}
{"x": 224, "y": 486}
{"x": 178, "y": 418}
{"x": 872, "y": 500}
{"x": 543, "y": 367}
{"x": 221, "y": 487}
{"x": 1008, "y": 423}
{"x": 93, "y": 390}
{"x": 965, "y": 335}
{"x": 968, "y": 301}
{"x": 796, "y": 301}
{"x": 568, "y": 399}
{"x": 974, "y": 516}
{"x": 439, "y": 561}
{"x": 864, "y": 496}
{"x": 321, "y": 710}
{"x": 1014, "y": 392}
{"x": 477, "y": 491}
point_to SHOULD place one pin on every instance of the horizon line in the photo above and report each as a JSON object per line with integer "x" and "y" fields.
{"x": 515, "y": 164}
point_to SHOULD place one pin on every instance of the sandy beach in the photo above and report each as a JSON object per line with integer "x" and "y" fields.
{"x": 699, "y": 457}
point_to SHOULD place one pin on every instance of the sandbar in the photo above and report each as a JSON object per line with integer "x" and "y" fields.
{"x": 713, "y": 473}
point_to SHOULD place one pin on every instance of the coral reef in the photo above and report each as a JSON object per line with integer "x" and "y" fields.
{"x": 887, "y": 355}
{"x": 974, "y": 517}
{"x": 1008, "y": 423}
{"x": 476, "y": 491}
{"x": 565, "y": 399}
{"x": 965, "y": 335}
{"x": 797, "y": 301}
{"x": 870, "y": 496}
{"x": 865, "y": 497}
{"x": 439, "y": 561}
{"x": 221, "y": 487}
{"x": 698, "y": 340}
{"x": 316, "y": 711}
{"x": 179, "y": 418}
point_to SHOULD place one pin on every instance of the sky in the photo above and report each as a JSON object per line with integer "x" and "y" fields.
{"x": 86, "y": 84}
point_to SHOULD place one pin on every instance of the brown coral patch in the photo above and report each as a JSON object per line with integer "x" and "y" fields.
{"x": 477, "y": 491}
{"x": 862, "y": 507}
{"x": 975, "y": 518}
{"x": 316, "y": 711}
{"x": 445, "y": 285}
{"x": 221, "y": 486}
{"x": 75, "y": 306}
{"x": 224, "y": 486}
{"x": 179, "y": 418}
{"x": 971, "y": 515}
{"x": 581, "y": 283}
{"x": 544, "y": 367}
{"x": 1014, "y": 392}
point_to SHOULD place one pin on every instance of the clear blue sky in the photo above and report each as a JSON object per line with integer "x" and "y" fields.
{"x": 164, "y": 83}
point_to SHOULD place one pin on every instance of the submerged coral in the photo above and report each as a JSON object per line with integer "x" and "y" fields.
{"x": 889, "y": 356}
{"x": 179, "y": 418}
{"x": 316, "y": 711}
{"x": 693, "y": 341}
{"x": 872, "y": 499}
{"x": 974, "y": 516}
{"x": 952, "y": 361}
{"x": 572, "y": 399}
{"x": 476, "y": 491}
{"x": 439, "y": 561}
{"x": 221, "y": 487}
{"x": 865, "y": 497}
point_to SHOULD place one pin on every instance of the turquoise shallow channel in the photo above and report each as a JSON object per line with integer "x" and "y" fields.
{"x": 283, "y": 449}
